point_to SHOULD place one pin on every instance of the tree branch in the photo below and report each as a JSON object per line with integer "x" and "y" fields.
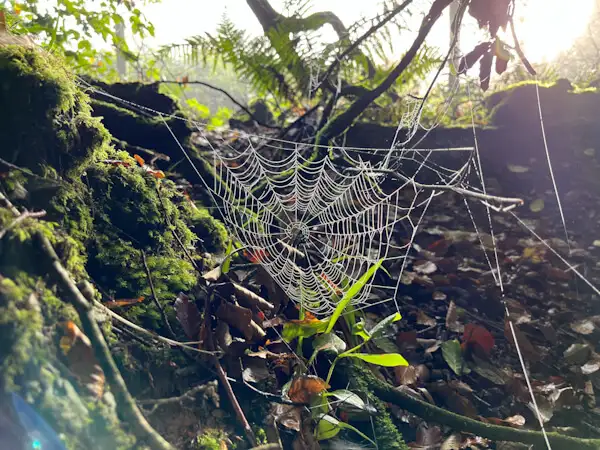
{"x": 353, "y": 370}
{"x": 338, "y": 125}
{"x": 226, "y": 94}
{"x": 364, "y": 37}
{"x": 20, "y": 219}
{"x": 126, "y": 403}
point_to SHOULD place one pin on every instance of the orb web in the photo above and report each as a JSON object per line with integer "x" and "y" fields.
{"x": 317, "y": 219}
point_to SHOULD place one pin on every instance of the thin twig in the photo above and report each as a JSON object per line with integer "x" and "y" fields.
{"x": 142, "y": 330}
{"x": 442, "y": 187}
{"x": 223, "y": 376}
{"x": 20, "y": 219}
{"x": 188, "y": 395}
{"x": 154, "y": 297}
{"x": 126, "y": 403}
{"x": 364, "y": 37}
{"x": 228, "y": 95}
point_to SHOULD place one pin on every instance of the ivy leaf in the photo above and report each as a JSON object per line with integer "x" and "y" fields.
{"x": 328, "y": 342}
{"x": 385, "y": 359}
{"x": 351, "y": 293}
{"x": 378, "y": 329}
{"x": 452, "y": 354}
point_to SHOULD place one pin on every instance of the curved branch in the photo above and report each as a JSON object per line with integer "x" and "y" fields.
{"x": 432, "y": 413}
{"x": 226, "y": 94}
{"x": 345, "y": 119}
{"x": 364, "y": 37}
{"x": 442, "y": 416}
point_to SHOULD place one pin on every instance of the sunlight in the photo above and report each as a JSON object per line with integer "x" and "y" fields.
{"x": 548, "y": 27}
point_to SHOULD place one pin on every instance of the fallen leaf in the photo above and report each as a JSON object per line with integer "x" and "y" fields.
{"x": 305, "y": 387}
{"x": 405, "y": 375}
{"x": 452, "y": 442}
{"x": 188, "y": 315}
{"x": 452, "y": 318}
{"x": 425, "y": 267}
{"x": 255, "y": 370}
{"x": 81, "y": 359}
{"x": 478, "y": 340}
{"x": 577, "y": 353}
{"x": 245, "y": 296}
{"x": 528, "y": 350}
{"x": 489, "y": 372}
{"x": 240, "y": 318}
{"x": 590, "y": 367}
{"x": 425, "y": 320}
{"x": 428, "y": 437}
{"x": 584, "y": 327}
{"x": 139, "y": 160}
{"x": 287, "y": 415}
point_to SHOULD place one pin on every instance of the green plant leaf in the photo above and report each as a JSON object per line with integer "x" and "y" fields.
{"x": 452, "y": 354}
{"x": 351, "y": 293}
{"x": 327, "y": 427}
{"x": 328, "y": 342}
{"x": 378, "y": 329}
{"x": 227, "y": 263}
{"x": 292, "y": 330}
{"x": 359, "y": 330}
{"x": 384, "y": 359}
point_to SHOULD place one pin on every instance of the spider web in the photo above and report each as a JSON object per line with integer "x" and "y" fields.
{"x": 317, "y": 219}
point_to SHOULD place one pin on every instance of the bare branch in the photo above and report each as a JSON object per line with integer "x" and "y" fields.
{"x": 225, "y": 93}
{"x": 20, "y": 219}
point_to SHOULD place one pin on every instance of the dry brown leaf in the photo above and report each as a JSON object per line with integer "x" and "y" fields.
{"x": 452, "y": 319}
{"x": 248, "y": 298}
{"x": 406, "y": 375}
{"x": 213, "y": 275}
{"x": 240, "y": 318}
{"x": 453, "y": 442}
{"x": 81, "y": 359}
{"x": 304, "y": 387}
{"x": 425, "y": 320}
{"x": 287, "y": 415}
{"x": 528, "y": 350}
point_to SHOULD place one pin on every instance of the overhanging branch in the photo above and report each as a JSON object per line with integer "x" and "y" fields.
{"x": 338, "y": 125}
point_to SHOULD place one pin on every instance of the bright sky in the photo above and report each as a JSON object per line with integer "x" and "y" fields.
{"x": 547, "y": 28}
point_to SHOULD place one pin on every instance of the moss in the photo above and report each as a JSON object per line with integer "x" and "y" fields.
{"x": 210, "y": 440}
{"x": 45, "y": 120}
{"x": 358, "y": 376}
{"x": 211, "y": 231}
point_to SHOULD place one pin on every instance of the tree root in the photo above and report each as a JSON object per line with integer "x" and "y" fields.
{"x": 432, "y": 413}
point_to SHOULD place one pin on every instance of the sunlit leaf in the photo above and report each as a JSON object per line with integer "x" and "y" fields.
{"x": 351, "y": 293}
{"x": 304, "y": 329}
{"x": 385, "y": 359}
{"x": 327, "y": 427}
{"x": 358, "y": 329}
{"x": 227, "y": 262}
{"x": 378, "y": 329}
{"x": 537, "y": 205}
{"x": 305, "y": 387}
{"x": 350, "y": 399}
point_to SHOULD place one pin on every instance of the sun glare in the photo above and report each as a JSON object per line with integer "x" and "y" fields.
{"x": 548, "y": 27}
